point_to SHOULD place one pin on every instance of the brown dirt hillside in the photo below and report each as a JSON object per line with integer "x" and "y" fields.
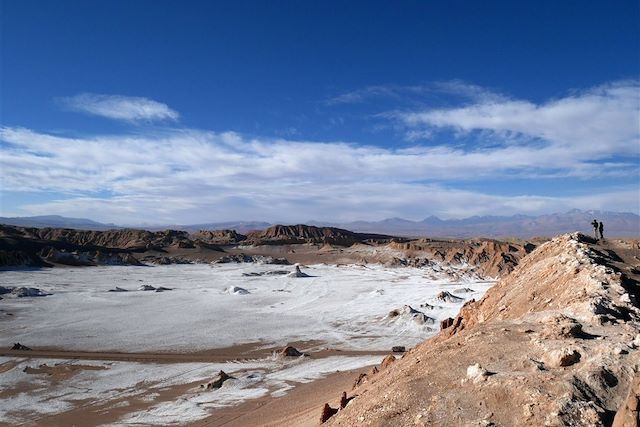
{"x": 554, "y": 343}
{"x": 490, "y": 258}
{"x": 296, "y": 234}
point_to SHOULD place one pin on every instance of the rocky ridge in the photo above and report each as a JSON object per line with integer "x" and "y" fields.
{"x": 297, "y": 234}
{"x": 20, "y": 246}
{"x": 488, "y": 258}
{"x": 554, "y": 343}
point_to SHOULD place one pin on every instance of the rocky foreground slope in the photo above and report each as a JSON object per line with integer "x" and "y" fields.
{"x": 554, "y": 343}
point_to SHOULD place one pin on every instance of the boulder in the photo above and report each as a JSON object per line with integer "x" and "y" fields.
{"x": 327, "y": 412}
{"x": 477, "y": 373}
{"x": 387, "y": 361}
{"x": 629, "y": 413}
{"x": 362, "y": 378}
{"x": 561, "y": 357}
{"x": 398, "y": 349}
{"x": 343, "y": 400}
{"x": 146, "y": 288}
{"x": 446, "y": 323}
{"x": 561, "y": 326}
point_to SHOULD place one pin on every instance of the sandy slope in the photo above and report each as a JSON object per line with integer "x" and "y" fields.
{"x": 556, "y": 343}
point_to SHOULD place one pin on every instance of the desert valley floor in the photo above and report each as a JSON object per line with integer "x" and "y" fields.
{"x": 105, "y": 346}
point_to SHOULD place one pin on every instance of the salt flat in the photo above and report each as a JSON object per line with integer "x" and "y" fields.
{"x": 337, "y": 307}
{"x": 344, "y": 306}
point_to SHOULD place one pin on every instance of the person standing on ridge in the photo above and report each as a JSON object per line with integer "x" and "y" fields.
{"x": 595, "y": 228}
{"x": 601, "y": 227}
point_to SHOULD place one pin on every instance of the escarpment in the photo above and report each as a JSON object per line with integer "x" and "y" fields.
{"x": 554, "y": 343}
{"x": 296, "y": 234}
{"x": 23, "y": 246}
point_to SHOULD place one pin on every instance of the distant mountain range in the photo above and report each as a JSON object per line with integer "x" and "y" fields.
{"x": 616, "y": 224}
{"x": 56, "y": 221}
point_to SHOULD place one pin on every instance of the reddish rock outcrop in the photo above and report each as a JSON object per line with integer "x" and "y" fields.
{"x": 327, "y": 412}
{"x": 629, "y": 413}
{"x": 296, "y": 234}
{"x": 218, "y": 237}
{"x": 553, "y": 343}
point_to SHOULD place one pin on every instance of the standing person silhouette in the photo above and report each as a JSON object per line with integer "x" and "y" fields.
{"x": 595, "y": 228}
{"x": 601, "y": 227}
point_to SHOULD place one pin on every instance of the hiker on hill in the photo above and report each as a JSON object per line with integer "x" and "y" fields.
{"x": 601, "y": 227}
{"x": 595, "y": 228}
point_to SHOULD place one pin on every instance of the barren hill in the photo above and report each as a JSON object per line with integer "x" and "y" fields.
{"x": 483, "y": 258}
{"x": 554, "y": 343}
{"x": 300, "y": 233}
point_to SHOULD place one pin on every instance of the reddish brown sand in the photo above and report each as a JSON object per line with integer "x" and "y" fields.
{"x": 299, "y": 406}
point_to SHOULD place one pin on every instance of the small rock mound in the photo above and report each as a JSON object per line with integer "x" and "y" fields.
{"x": 290, "y": 351}
{"x": 297, "y": 272}
{"x": 217, "y": 382}
{"x": 445, "y": 296}
{"x": 23, "y": 292}
{"x": 408, "y": 312}
{"x": 20, "y": 347}
{"x": 561, "y": 326}
{"x": 236, "y": 290}
{"x": 562, "y": 357}
{"x": 266, "y": 273}
{"x": 428, "y": 306}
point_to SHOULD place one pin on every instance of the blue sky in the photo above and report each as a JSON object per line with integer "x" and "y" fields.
{"x": 184, "y": 112}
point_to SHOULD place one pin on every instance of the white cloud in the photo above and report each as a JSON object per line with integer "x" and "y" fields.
{"x": 117, "y": 107}
{"x": 596, "y": 123}
{"x": 189, "y": 176}
{"x": 457, "y": 88}
{"x": 194, "y": 176}
{"x": 361, "y": 95}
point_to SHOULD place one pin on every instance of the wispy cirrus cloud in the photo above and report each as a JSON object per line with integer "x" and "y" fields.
{"x": 361, "y": 95}
{"x": 457, "y": 88}
{"x": 118, "y": 107}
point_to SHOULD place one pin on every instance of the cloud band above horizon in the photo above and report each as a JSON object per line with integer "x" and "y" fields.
{"x": 185, "y": 175}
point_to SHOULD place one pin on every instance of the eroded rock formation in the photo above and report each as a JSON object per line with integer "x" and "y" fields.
{"x": 552, "y": 344}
